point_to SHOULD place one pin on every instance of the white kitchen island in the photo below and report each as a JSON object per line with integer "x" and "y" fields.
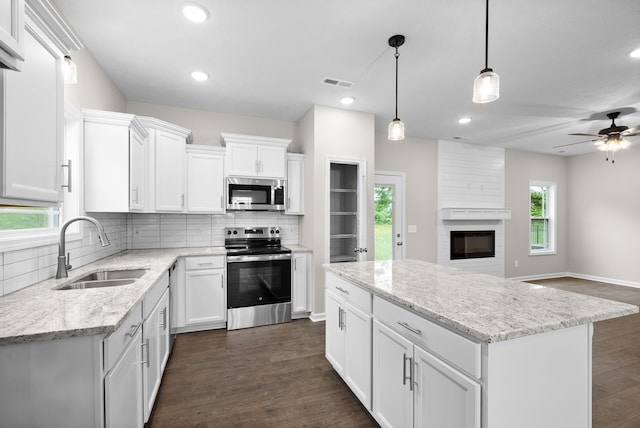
{"x": 425, "y": 345}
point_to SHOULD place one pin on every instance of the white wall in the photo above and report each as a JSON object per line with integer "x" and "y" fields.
{"x": 521, "y": 167}
{"x": 94, "y": 88}
{"x": 207, "y": 125}
{"x": 331, "y": 132}
{"x": 604, "y": 208}
{"x": 418, "y": 159}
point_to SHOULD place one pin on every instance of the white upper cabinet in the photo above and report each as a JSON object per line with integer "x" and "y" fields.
{"x": 114, "y": 162}
{"x": 11, "y": 34}
{"x": 205, "y": 179}
{"x": 295, "y": 184}
{"x": 166, "y": 164}
{"x": 32, "y": 117}
{"x": 252, "y": 156}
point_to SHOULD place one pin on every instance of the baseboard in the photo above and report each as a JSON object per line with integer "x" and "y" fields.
{"x": 579, "y": 276}
{"x": 603, "y": 279}
{"x": 317, "y": 317}
{"x": 541, "y": 276}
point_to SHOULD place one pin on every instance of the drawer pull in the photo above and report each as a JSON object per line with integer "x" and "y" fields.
{"x": 134, "y": 330}
{"x": 411, "y": 329}
{"x": 342, "y": 289}
{"x": 205, "y": 264}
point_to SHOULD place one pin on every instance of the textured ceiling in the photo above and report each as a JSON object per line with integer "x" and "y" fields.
{"x": 563, "y": 64}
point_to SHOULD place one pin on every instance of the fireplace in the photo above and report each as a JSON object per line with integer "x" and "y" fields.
{"x": 472, "y": 244}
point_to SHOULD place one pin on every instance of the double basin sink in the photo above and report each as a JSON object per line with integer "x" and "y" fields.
{"x": 106, "y": 278}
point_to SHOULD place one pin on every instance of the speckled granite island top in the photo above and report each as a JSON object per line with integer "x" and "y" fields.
{"x": 488, "y": 308}
{"x": 40, "y": 312}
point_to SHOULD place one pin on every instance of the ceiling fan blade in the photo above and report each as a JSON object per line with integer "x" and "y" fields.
{"x": 631, "y": 131}
{"x": 578, "y": 142}
{"x": 587, "y": 135}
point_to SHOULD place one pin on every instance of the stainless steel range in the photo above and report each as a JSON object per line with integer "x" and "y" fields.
{"x": 258, "y": 277}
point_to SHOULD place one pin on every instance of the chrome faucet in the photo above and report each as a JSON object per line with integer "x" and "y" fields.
{"x": 63, "y": 261}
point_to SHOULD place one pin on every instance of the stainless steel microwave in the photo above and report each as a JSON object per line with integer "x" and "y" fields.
{"x": 255, "y": 194}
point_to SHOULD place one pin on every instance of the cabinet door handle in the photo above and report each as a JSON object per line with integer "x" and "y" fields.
{"x": 406, "y": 378}
{"x": 145, "y": 344}
{"x": 221, "y": 202}
{"x": 134, "y": 330}
{"x": 164, "y": 318}
{"x": 340, "y": 318}
{"x": 343, "y": 290}
{"x": 68, "y": 185}
{"x": 182, "y": 200}
{"x": 411, "y": 329}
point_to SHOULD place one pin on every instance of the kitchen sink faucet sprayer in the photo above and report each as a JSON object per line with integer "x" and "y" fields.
{"x": 63, "y": 261}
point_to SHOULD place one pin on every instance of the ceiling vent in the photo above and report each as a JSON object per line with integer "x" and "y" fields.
{"x": 337, "y": 82}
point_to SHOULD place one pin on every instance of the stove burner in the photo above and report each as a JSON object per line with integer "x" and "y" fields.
{"x": 255, "y": 240}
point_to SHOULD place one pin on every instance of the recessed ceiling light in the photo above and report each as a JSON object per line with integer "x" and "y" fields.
{"x": 347, "y": 100}
{"x": 200, "y": 76}
{"x": 464, "y": 120}
{"x": 195, "y": 12}
{"x": 635, "y": 54}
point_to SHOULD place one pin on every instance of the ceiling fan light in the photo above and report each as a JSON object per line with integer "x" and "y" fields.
{"x": 624, "y": 144}
{"x": 486, "y": 87}
{"x": 396, "y": 130}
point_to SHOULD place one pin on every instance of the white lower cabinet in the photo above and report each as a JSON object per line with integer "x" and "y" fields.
{"x": 200, "y": 298}
{"x": 348, "y": 336}
{"x": 413, "y": 388}
{"x": 155, "y": 342}
{"x": 123, "y": 388}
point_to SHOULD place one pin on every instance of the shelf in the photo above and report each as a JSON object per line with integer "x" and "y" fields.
{"x": 343, "y": 213}
{"x": 343, "y": 190}
{"x": 476, "y": 213}
{"x": 342, "y": 236}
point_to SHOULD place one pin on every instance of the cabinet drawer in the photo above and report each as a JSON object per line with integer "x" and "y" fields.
{"x": 204, "y": 262}
{"x": 117, "y": 341}
{"x": 154, "y": 294}
{"x": 355, "y": 295}
{"x": 457, "y": 350}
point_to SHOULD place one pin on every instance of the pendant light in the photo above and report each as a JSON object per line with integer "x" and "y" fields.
{"x": 486, "y": 87}
{"x": 396, "y": 127}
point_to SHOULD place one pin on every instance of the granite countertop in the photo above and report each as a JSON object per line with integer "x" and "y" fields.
{"x": 40, "y": 312}
{"x": 485, "y": 307}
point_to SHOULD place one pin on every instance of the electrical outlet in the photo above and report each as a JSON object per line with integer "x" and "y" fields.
{"x": 516, "y": 263}
{"x": 136, "y": 232}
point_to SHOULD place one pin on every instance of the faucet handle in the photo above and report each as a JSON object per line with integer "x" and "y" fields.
{"x": 68, "y": 261}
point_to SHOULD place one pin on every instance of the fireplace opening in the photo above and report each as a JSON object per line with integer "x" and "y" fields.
{"x": 473, "y": 244}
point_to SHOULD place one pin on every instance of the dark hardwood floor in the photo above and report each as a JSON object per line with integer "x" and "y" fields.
{"x": 272, "y": 376}
{"x": 277, "y": 376}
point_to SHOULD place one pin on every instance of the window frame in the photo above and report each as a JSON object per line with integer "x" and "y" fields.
{"x": 551, "y": 187}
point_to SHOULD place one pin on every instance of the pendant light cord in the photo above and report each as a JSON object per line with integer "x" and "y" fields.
{"x": 486, "y": 38}
{"x": 396, "y": 55}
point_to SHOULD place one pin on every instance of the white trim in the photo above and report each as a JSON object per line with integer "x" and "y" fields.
{"x": 315, "y": 317}
{"x": 613, "y": 281}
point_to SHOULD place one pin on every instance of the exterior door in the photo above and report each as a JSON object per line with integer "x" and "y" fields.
{"x": 389, "y": 215}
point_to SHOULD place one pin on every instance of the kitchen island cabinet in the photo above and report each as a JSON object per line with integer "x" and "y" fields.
{"x": 458, "y": 349}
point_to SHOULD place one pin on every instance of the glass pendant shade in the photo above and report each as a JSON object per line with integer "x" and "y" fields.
{"x": 396, "y": 130}
{"x": 486, "y": 87}
{"x": 70, "y": 71}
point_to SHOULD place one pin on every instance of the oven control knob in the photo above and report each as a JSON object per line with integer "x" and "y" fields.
{"x": 228, "y": 232}
{"x": 235, "y": 232}
{"x": 277, "y": 231}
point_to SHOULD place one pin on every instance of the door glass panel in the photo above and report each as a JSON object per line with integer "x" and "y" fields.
{"x": 383, "y": 199}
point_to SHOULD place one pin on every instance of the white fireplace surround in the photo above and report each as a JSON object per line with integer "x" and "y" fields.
{"x": 471, "y": 197}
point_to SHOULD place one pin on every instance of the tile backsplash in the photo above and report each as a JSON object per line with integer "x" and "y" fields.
{"x": 21, "y": 268}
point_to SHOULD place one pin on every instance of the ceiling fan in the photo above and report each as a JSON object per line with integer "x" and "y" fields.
{"x": 609, "y": 139}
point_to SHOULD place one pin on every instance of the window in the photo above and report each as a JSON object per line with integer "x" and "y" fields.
{"x": 542, "y": 197}
{"x": 20, "y": 218}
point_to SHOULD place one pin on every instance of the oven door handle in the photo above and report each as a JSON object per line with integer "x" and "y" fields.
{"x": 258, "y": 258}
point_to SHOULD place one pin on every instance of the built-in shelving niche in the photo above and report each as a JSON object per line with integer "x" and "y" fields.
{"x": 343, "y": 212}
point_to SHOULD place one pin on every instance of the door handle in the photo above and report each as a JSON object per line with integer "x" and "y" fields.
{"x": 399, "y": 244}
